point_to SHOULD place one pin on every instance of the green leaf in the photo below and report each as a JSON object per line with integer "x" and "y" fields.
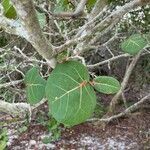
{"x": 62, "y": 5}
{"x": 90, "y": 3}
{"x": 3, "y": 139}
{"x": 71, "y": 98}
{"x": 62, "y": 56}
{"x": 133, "y": 44}
{"x": 22, "y": 129}
{"x": 35, "y": 86}
{"x": 9, "y": 10}
{"x": 106, "y": 85}
{"x": 3, "y": 145}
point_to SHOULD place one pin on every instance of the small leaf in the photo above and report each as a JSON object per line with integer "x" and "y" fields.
{"x": 62, "y": 5}
{"x": 134, "y": 44}
{"x": 106, "y": 85}
{"x": 9, "y": 10}
{"x": 3, "y": 139}
{"x": 22, "y": 129}
{"x": 35, "y": 86}
{"x": 62, "y": 56}
{"x": 71, "y": 98}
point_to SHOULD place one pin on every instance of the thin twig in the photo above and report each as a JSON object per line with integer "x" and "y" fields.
{"x": 77, "y": 13}
{"x": 28, "y": 58}
{"x": 4, "y": 85}
{"x": 108, "y": 60}
{"x": 127, "y": 111}
{"x": 124, "y": 83}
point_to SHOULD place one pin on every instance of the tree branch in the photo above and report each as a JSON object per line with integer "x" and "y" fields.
{"x": 90, "y": 24}
{"x": 12, "y": 27}
{"x": 124, "y": 83}
{"x": 108, "y": 60}
{"x": 117, "y": 15}
{"x": 4, "y": 85}
{"x": 78, "y": 12}
{"x": 109, "y": 22}
{"x": 27, "y": 15}
{"x": 99, "y": 6}
{"x": 125, "y": 112}
{"x": 15, "y": 109}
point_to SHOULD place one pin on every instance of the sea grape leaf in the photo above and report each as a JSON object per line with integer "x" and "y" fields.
{"x": 106, "y": 85}
{"x": 35, "y": 86}
{"x": 133, "y": 44}
{"x": 9, "y": 10}
{"x": 71, "y": 98}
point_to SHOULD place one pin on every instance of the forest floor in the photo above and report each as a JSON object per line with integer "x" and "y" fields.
{"x": 130, "y": 133}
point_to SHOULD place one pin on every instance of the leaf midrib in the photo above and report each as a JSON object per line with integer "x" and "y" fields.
{"x": 80, "y": 104}
{"x": 57, "y": 98}
{"x": 105, "y": 84}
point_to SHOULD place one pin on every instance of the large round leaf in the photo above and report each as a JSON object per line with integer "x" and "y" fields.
{"x": 106, "y": 85}
{"x": 133, "y": 44}
{"x": 71, "y": 98}
{"x": 35, "y": 86}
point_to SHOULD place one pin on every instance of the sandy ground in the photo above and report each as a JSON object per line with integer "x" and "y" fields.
{"x": 131, "y": 133}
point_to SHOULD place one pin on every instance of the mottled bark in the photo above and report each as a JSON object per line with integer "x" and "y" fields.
{"x": 27, "y": 15}
{"x": 15, "y": 109}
